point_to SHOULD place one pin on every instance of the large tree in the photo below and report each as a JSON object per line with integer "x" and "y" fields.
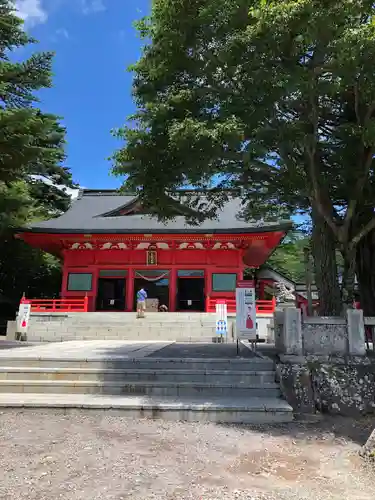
{"x": 259, "y": 94}
{"x": 31, "y": 141}
{"x": 32, "y": 173}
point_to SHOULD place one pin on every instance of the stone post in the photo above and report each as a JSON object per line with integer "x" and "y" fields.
{"x": 278, "y": 330}
{"x": 292, "y": 331}
{"x": 356, "y": 333}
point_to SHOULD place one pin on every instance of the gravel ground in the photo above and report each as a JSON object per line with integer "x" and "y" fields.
{"x": 84, "y": 455}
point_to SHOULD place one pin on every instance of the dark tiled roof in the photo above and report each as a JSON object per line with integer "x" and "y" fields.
{"x": 89, "y": 214}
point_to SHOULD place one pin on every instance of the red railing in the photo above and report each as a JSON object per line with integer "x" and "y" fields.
{"x": 58, "y": 305}
{"x": 263, "y": 306}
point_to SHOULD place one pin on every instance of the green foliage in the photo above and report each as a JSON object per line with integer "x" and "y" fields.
{"x": 277, "y": 97}
{"x": 288, "y": 258}
{"x": 31, "y": 142}
{"x": 31, "y": 155}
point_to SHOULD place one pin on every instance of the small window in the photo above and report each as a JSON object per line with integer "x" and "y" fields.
{"x": 187, "y": 273}
{"x": 79, "y": 282}
{"x": 224, "y": 282}
{"x": 116, "y": 273}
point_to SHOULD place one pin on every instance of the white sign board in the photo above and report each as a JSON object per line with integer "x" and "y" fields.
{"x": 246, "y": 321}
{"x": 23, "y": 317}
{"x": 221, "y": 318}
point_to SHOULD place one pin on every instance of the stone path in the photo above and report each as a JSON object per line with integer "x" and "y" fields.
{"x": 93, "y": 350}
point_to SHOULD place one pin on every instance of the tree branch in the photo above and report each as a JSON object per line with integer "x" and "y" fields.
{"x": 363, "y": 232}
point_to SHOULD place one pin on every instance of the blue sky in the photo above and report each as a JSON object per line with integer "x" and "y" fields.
{"x": 94, "y": 42}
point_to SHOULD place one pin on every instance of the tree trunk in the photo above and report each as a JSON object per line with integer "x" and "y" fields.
{"x": 325, "y": 265}
{"x": 348, "y": 277}
{"x": 365, "y": 267}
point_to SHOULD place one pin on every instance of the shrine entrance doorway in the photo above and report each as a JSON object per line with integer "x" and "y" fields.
{"x": 190, "y": 290}
{"x": 155, "y": 283}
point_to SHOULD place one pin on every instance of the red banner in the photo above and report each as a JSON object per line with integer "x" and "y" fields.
{"x": 246, "y": 284}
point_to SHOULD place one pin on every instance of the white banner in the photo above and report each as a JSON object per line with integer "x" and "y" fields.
{"x": 221, "y": 318}
{"x": 23, "y": 317}
{"x": 246, "y": 321}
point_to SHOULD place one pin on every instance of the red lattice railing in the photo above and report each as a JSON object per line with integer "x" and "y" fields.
{"x": 263, "y": 306}
{"x": 58, "y": 305}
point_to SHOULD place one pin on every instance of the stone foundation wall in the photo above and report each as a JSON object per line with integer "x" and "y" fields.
{"x": 333, "y": 385}
{"x": 58, "y": 327}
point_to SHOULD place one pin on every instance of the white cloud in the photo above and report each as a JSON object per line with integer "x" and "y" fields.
{"x": 92, "y": 6}
{"x": 63, "y": 33}
{"x": 31, "y": 11}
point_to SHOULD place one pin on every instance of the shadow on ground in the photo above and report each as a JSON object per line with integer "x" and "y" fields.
{"x": 12, "y": 344}
{"x": 210, "y": 351}
{"x": 326, "y": 427}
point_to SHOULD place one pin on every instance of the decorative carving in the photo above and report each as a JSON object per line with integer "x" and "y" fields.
{"x": 208, "y": 245}
{"x": 118, "y": 246}
{"x": 224, "y": 246}
{"x": 82, "y": 246}
{"x": 113, "y": 246}
{"x": 191, "y": 246}
{"x": 131, "y": 245}
{"x": 163, "y": 245}
{"x": 105, "y": 246}
{"x": 284, "y": 294}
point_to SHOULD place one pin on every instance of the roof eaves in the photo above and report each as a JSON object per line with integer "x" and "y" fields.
{"x": 284, "y": 227}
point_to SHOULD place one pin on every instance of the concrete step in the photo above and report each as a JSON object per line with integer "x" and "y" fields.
{"x": 163, "y": 389}
{"x": 138, "y": 375}
{"x": 120, "y": 362}
{"x": 220, "y": 410}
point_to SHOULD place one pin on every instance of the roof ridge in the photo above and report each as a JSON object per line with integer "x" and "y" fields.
{"x": 105, "y": 192}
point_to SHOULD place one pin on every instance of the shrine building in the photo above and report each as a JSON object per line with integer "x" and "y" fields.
{"x": 110, "y": 248}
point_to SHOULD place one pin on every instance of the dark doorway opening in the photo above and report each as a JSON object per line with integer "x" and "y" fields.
{"x": 158, "y": 289}
{"x": 111, "y": 294}
{"x": 190, "y": 294}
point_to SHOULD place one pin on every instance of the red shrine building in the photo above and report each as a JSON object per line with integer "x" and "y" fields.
{"x": 110, "y": 248}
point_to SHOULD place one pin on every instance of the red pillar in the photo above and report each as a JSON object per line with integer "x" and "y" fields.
{"x": 130, "y": 291}
{"x": 172, "y": 289}
{"x": 64, "y": 284}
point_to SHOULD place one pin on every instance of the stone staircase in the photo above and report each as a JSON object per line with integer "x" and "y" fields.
{"x": 57, "y": 327}
{"x": 237, "y": 390}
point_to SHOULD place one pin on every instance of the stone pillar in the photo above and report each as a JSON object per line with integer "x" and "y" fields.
{"x": 278, "y": 329}
{"x": 292, "y": 331}
{"x": 356, "y": 333}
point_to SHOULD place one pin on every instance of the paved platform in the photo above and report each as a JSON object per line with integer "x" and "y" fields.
{"x": 93, "y": 350}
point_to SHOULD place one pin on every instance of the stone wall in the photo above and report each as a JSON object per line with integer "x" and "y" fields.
{"x": 57, "y": 327}
{"x": 322, "y": 336}
{"x": 327, "y": 384}
{"x": 323, "y": 366}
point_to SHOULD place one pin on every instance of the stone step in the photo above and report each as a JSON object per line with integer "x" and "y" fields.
{"x": 137, "y": 326}
{"x": 137, "y": 375}
{"x": 120, "y": 362}
{"x": 220, "y": 410}
{"x": 164, "y": 389}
